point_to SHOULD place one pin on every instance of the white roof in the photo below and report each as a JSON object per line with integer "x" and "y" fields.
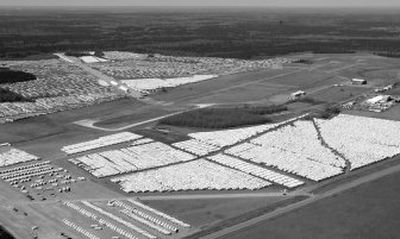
{"x": 298, "y": 92}
{"x": 92, "y": 59}
{"x": 377, "y": 99}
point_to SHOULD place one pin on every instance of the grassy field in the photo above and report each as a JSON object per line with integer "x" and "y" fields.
{"x": 220, "y": 87}
{"x": 62, "y": 122}
{"x": 251, "y": 92}
{"x": 203, "y": 213}
{"x": 338, "y": 94}
{"x": 141, "y": 113}
{"x": 367, "y": 212}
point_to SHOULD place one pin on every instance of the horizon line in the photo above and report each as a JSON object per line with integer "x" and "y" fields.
{"x": 237, "y": 5}
{"x": 204, "y": 6}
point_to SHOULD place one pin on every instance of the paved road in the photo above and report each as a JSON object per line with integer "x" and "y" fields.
{"x": 218, "y": 196}
{"x": 110, "y": 80}
{"x": 250, "y": 83}
{"x": 90, "y": 123}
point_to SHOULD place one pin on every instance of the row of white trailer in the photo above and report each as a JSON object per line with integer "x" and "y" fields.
{"x": 139, "y": 66}
{"x": 59, "y": 86}
{"x": 80, "y": 229}
{"x": 160, "y": 225}
{"x": 131, "y": 226}
{"x": 11, "y": 111}
{"x": 285, "y": 161}
{"x": 196, "y": 147}
{"x": 361, "y": 140}
{"x": 102, "y": 221}
{"x": 141, "y": 220}
{"x": 131, "y": 159}
{"x": 314, "y": 149}
{"x": 23, "y": 167}
{"x": 26, "y": 172}
{"x": 160, "y": 222}
{"x": 32, "y": 174}
{"x": 195, "y": 175}
{"x": 257, "y": 171}
{"x": 157, "y": 83}
{"x": 14, "y": 156}
{"x": 101, "y": 142}
{"x": 224, "y": 138}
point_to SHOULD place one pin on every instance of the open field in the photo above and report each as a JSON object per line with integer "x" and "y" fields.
{"x": 205, "y": 212}
{"x": 368, "y": 211}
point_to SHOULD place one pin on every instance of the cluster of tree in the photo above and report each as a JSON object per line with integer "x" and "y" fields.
{"x": 310, "y": 100}
{"x": 303, "y": 61}
{"x": 245, "y": 35}
{"x": 329, "y": 112}
{"x": 84, "y": 53}
{"x": 9, "y": 96}
{"x": 261, "y": 110}
{"x": 4, "y": 234}
{"x": 99, "y": 53}
{"x": 326, "y": 113}
{"x": 223, "y": 117}
{"x": 77, "y": 53}
{"x": 11, "y": 76}
{"x": 388, "y": 54}
{"x": 23, "y": 54}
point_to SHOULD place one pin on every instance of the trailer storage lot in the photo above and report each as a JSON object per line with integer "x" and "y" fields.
{"x": 59, "y": 86}
{"x": 153, "y": 66}
{"x": 206, "y": 178}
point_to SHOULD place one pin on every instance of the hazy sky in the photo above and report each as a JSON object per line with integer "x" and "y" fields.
{"x": 279, "y": 3}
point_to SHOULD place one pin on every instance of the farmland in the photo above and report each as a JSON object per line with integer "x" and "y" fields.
{"x": 166, "y": 134}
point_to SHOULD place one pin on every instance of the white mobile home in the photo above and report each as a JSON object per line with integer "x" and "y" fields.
{"x": 356, "y": 81}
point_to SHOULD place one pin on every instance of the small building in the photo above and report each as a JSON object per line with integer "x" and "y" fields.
{"x": 5, "y": 144}
{"x": 379, "y": 99}
{"x": 124, "y": 88}
{"x": 356, "y": 81}
{"x": 384, "y": 89}
{"x": 297, "y": 94}
{"x": 349, "y": 105}
{"x": 114, "y": 83}
{"x": 379, "y": 103}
